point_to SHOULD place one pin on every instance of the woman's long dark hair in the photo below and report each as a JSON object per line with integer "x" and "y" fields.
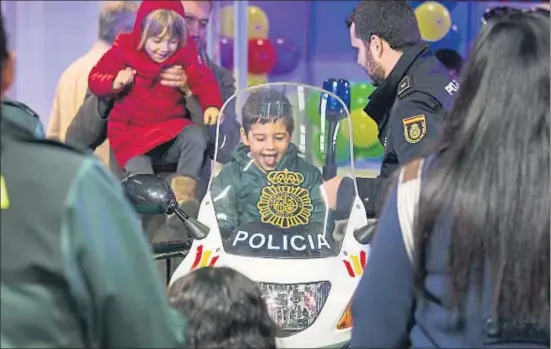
{"x": 491, "y": 175}
{"x": 223, "y": 309}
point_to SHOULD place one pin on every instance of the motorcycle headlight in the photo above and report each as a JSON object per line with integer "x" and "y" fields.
{"x": 294, "y": 307}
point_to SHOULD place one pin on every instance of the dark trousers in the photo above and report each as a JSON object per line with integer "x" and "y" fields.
{"x": 187, "y": 151}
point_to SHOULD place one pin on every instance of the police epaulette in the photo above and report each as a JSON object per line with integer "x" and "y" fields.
{"x": 405, "y": 87}
{"x": 20, "y": 105}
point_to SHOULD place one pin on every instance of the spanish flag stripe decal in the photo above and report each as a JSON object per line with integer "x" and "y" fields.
{"x": 213, "y": 261}
{"x": 409, "y": 121}
{"x": 357, "y": 266}
{"x": 349, "y": 268}
{"x": 363, "y": 259}
{"x": 197, "y": 257}
{"x": 205, "y": 259}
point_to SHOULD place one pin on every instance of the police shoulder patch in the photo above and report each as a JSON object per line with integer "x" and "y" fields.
{"x": 415, "y": 128}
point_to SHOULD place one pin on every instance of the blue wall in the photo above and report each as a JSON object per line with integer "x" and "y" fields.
{"x": 318, "y": 29}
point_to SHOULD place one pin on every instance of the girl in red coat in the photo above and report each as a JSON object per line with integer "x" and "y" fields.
{"x": 148, "y": 124}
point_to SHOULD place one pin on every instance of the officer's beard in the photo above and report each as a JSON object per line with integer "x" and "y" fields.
{"x": 374, "y": 70}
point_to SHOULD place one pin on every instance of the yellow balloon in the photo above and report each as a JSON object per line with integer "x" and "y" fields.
{"x": 258, "y": 22}
{"x": 254, "y": 79}
{"x": 434, "y": 20}
{"x": 226, "y": 21}
{"x": 364, "y": 129}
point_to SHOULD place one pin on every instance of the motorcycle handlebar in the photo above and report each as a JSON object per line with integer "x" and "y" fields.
{"x": 171, "y": 246}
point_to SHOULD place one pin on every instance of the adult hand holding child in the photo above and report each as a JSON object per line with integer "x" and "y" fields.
{"x": 174, "y": 76}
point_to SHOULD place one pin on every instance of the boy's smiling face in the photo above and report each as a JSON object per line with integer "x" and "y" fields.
{"x": 267, "y": 142}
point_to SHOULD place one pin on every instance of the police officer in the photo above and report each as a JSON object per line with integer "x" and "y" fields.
{"x": 23, "y": 118}
{"x": 75, "y": 267}
{"x": 414, "y": 92}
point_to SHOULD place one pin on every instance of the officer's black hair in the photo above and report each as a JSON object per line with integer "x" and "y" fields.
{"x": 267, "y": 105}
{"x": 489, "y": 180}
{"x": 451, "y": 59}
{"x": 392, "y": 21}
{"x": 223, "y": 309}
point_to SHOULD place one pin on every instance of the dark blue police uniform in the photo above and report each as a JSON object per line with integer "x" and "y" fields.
{"x": 409, "y": 109}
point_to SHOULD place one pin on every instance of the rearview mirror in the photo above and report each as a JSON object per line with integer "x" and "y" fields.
{"x": 365, "y": 234}
{"x": 150, "y": 195}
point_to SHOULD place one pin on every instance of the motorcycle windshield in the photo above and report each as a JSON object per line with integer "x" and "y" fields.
{"x": 277, "y": 144}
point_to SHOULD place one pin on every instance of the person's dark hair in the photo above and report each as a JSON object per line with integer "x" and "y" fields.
{"x": 4, "y": 53}
{"x": 489, "y": 181}
{"x": 451, "y": 59}
{"x": 392, "y": 21}
{"x": 223, "y": 309}
{"x": 267, "y": 105}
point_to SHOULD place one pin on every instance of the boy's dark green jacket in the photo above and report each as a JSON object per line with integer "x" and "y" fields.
{"x": 243, "y": 193}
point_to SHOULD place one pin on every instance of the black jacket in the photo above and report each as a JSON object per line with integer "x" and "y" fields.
{"x": 409, "y": 109}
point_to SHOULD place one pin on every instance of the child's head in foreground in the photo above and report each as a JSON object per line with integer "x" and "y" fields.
{"x": 223, "y": 309}
{"x": 267, "y": 126}
{"x": 163, "y": 32}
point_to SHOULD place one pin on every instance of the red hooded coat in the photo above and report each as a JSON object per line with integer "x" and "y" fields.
{"x": 147, "y": 114}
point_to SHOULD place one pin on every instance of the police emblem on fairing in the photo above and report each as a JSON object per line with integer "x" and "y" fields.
{"x": 415, "y": 128}
{"x": 284, "y": 203}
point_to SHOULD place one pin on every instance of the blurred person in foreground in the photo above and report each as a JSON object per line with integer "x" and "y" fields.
{"x": 413, "y": 96}
{"x": 479, "y": 269}
{"x": 115, "y": 17}
{"x": 76, "y": 271}
{"x": 223, "y": 309}
{"x": 452, "y": 60}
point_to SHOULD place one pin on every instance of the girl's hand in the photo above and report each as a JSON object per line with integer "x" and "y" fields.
{"x": 123, "y": 78}
{"x": 211, "y": 115}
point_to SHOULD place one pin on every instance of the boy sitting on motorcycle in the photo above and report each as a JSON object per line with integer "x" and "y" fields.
{"x": 266, "y": 180}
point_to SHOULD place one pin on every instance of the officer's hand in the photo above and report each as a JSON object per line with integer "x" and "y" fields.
{"x": 331, "y": 188}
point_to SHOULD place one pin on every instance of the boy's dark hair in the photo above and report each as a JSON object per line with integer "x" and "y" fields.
{"x": 267, "y": 105}
{"x": 392, "y": 21}
{"x": 451, "y": 59}
{"x": 223, "y": 309}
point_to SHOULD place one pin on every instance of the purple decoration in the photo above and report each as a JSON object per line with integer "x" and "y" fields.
{"x": 287, "y": 54}
{"x": 226, "y": 53}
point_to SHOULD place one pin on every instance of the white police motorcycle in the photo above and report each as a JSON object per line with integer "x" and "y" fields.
{"x": 307, "y": 264}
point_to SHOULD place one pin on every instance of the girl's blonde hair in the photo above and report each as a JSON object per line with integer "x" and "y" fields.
{"x": 163, "y": 22}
